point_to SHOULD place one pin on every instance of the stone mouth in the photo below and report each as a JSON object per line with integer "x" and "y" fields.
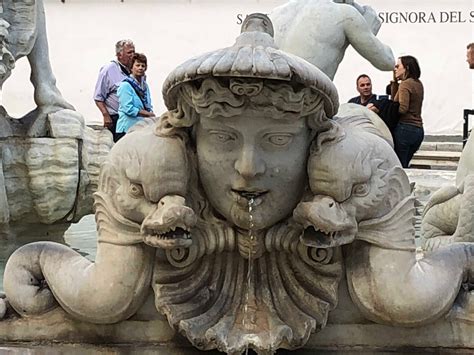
{"x": 250, "y": 194}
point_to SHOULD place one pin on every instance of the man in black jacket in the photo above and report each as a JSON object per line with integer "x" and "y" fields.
{"x": 364, "y": 88}
{"x": 385, "y": 108}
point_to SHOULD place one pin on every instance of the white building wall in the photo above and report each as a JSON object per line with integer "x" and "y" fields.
{"x": 82, "y": 35}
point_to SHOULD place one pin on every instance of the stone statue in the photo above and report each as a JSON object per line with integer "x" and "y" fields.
{"x": 320, "y": 31}
{"x": 243, "y": 208}
{"x": 23, "y": 33}
{"x": 448, "y": 216}
{"x": 49, "y": 159}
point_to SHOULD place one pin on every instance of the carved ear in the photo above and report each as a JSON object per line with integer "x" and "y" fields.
{"x": 398, "y": 185}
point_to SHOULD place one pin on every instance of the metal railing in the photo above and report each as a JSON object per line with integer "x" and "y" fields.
{"x": 465, "y": 130}
{"x": 64, "y": 1}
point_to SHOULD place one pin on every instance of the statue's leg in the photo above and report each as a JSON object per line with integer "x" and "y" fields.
{"x": 460, "y": 209}
{"x": 46, "y": 95}
{"x": 465, "y": 227}
{"x": 439, "y": 223}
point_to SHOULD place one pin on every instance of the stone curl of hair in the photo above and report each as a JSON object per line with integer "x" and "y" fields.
{"x": 227, "y": 97}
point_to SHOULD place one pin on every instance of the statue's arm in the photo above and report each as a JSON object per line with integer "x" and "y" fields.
{"x": 370, "y": 16}
{"x": 359, "y": 34}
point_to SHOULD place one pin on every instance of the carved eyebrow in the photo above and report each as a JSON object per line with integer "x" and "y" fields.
{"x": 210, "y": 124}
{"x": 284, "y": 129}
{"x": 321, "y": 180}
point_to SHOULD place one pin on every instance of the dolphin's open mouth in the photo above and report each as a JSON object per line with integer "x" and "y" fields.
{"x": 314, "y": 237}
{"x": 169, "y": 225}
{"x": 175, "y": 234}
{"x": 176, "y": 237}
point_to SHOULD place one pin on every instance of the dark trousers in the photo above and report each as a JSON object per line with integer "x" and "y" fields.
{"x": 407, "y": 139}
{"x": 111, "y": 128}
{"x": 118, "y": 136}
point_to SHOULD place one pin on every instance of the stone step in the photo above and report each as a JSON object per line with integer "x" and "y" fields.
{"x": 442, "y": 146}
{"x": 443, "y": 138}
{"x": 435, "y": 159}
{"x": 418, "y": 163}
{"x": 438, "y": 155}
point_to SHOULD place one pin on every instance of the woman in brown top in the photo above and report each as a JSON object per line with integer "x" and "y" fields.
{"x": 408, "y": 133}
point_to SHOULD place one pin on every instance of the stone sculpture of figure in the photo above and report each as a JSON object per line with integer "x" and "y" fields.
{"x": 139, "y": 200}
{"x": 448, "y": 215}
{"x": 49, "y": 159}
{"x": 258, "y": 198}
{"x": 23, "y": 33}
{"x": 364, "y": 201}
{"x": 320, "y": 31}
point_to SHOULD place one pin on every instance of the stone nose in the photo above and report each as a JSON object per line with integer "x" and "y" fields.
{"x": 325, "y": 200}
{"x": 328, "y": 208}
{"x": 249, "y": 164}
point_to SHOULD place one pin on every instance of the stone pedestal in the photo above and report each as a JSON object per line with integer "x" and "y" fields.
{"x": 154, "y": 332}
{"x": 50, "y": 176}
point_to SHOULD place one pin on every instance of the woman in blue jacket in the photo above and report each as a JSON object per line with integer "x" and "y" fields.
{"x": 134, "y": 96}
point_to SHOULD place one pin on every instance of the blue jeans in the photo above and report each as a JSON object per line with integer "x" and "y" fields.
{"x": 407, "y": 139}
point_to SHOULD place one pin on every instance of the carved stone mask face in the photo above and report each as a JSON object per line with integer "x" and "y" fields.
{"x": 253, "y": 154}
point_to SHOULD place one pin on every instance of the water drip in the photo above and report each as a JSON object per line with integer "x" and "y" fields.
{"x": 248, "y": 319}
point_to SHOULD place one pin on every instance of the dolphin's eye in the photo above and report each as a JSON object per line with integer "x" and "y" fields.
{"x": 360, "y": 190}
{"x": 135, "y": 190}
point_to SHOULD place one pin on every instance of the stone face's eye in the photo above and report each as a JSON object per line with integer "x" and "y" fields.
{"x": 279, "y": 139}
{"x": 135, "y": 190}
{"x": 221, "y": 136}
{"x": 360, "y": 190}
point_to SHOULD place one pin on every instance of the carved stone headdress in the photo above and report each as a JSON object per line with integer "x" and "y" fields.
{"x": 251, "y": 66}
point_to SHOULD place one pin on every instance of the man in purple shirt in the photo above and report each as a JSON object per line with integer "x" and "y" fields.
{"x": 110, "y": 76}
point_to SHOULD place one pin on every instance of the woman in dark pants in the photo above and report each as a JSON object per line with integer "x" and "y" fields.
{"x": 409, "y": 132}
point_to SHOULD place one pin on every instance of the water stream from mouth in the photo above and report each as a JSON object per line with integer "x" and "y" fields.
{"x": 248, "y": 320}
